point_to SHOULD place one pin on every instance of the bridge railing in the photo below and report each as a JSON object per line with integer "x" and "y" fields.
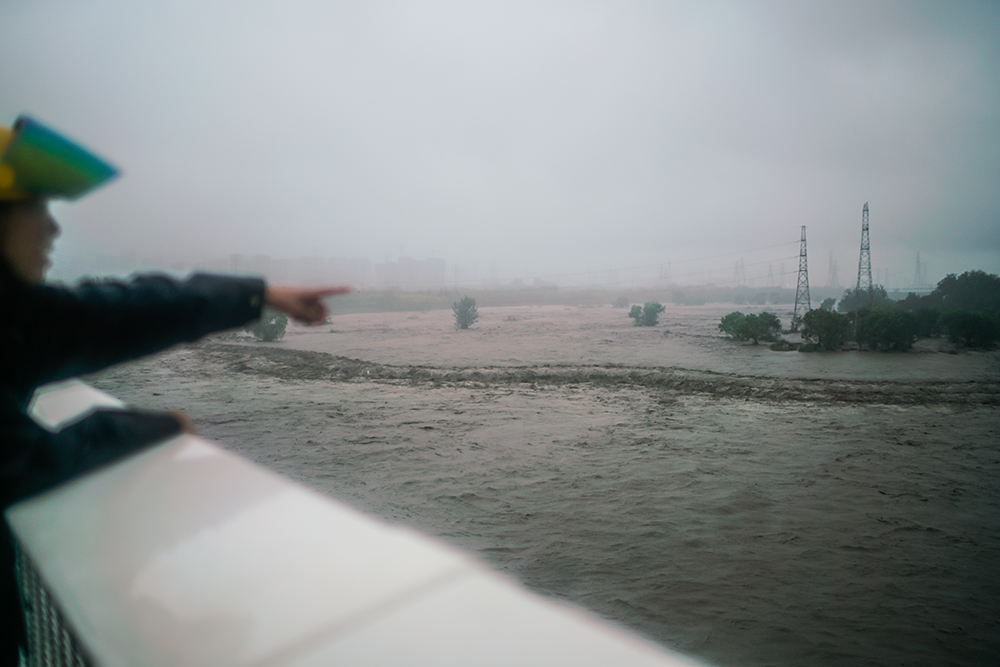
{"x": 187, "y": 554}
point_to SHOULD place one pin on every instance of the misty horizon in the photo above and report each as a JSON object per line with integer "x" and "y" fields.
{"x": 593, "y": 143}
{"x": 410, "y": 274}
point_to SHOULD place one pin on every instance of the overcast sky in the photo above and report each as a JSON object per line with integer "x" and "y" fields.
{"x": 526, "y": 139}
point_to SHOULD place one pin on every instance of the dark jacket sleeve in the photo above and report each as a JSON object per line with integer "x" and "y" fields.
{"x": 62, "y": 333}
{"x": 55, "y": 333}
{"x": 98, "y": 324}
{"x": 33, "y": 459}
{"x": 44, "y": 459}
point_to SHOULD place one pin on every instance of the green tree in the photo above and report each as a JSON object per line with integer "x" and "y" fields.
{"x": 733, "y": 324}
{"x": 973, "y": 290}
{"x": 828, "y": 304}
{"x": 886, "y": 328}
{"x": 270, "y": 327}
{"x": 648, "y": 315}
{"x": 754, "y": 328}
{"x": 862, "y": 298}
{"x": 966, "y": 308}
{"x": 965, "y": 327}
{"x": 928, "y": 322}
{"x": 825, "y": 328}
{"x": 765, "y": 326}
{"x": 465, "y": 312}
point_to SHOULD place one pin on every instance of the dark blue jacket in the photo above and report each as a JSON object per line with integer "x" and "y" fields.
{"x": 51, "y": 333}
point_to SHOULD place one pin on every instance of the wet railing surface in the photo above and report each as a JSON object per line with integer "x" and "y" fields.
{"x": 186, "y": 554}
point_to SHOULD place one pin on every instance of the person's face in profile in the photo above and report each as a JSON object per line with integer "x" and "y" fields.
{"x": 27, "y": 231}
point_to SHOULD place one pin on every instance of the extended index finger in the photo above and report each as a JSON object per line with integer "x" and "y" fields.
{"x": 333, "y": 290}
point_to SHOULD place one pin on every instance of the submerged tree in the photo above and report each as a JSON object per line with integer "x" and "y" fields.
{"x": 754, "y": 328}
{"x": 766, "y": 327}
{"x": 862, "y": 297}
{"x": 825, "y": 328}
{"x": 886, "y": 328}
{"x": 646, "y": 315}
{"x": 977, "y": 291}
{"x": 465, "y": 312}
{"x": 971, "y": 329}
{"x": 732, "y": 324}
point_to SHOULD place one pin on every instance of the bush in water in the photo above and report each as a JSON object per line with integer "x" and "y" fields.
{"x": 465, "y": 312}
{"x": 647, "y": 315}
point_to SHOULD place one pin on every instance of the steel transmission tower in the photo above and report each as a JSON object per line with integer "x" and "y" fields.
{"x": 920, "y": 279}
{"x": 802, "y": 303}
{"x": 865, "y": 262}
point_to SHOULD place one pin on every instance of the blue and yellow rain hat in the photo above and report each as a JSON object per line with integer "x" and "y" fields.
{"x": 36, "y": 161}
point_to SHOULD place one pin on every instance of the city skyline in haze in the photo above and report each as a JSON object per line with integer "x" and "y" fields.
{"x": 591, "y": 143}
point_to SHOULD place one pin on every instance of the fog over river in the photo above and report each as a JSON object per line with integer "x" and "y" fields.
{"x": 744, "y": 506}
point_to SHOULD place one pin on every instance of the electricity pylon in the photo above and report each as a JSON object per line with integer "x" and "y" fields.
{"x": 865, "y": 262}
{"x": 802, "y": 303}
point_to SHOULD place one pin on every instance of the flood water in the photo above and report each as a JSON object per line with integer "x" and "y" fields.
{"x": 743, "y": 506}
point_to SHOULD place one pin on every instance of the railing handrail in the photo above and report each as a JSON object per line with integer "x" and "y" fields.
{"x": 187, "y": 554}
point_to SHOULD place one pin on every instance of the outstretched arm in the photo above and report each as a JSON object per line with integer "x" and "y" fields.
{"x": 302, "y": 304}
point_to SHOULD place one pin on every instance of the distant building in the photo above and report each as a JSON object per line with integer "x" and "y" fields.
{"x": 411, "y": 274}
{"x": 322, "y": 270}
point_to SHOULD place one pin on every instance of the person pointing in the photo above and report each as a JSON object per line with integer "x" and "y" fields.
{"x": 53, "y": 333}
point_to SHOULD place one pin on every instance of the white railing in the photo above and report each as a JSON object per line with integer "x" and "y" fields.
{"x": 186, "y": 554}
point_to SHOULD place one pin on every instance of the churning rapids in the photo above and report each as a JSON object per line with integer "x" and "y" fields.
{"x": 744, "y": 506}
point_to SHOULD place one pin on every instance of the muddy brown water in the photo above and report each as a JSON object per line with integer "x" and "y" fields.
{"x": 744, "y": 506}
